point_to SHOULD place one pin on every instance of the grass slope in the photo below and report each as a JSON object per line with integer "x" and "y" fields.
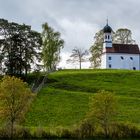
{"x": 64, "y": 101}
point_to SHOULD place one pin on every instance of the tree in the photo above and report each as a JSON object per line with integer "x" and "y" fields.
{"x": 19, "y": 47}
{"x": 96, "y": 49}
{"x": 14, "y": 97}
{"x": 123, "y": 36}
{"x": 104, "y": 109}
{"x": 52, "y": 44}
{"x": 78, "y": 55}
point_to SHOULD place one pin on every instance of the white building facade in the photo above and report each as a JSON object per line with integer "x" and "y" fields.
{"x": 119, "y": 56}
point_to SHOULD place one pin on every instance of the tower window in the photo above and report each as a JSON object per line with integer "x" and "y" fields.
{"x": 108, "y": 36}
{"x": 105, "y": 36}
{"x": 122, "y": 57}
{"x": 110, "y": 66}
{"x": 109, "y": 58}
{"x": 131, "y": 58}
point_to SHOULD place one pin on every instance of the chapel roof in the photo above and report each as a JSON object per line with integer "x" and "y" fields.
{"x": 123, "y": 48}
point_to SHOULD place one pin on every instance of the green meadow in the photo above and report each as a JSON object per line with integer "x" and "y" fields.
{"x": 64, "y": 101}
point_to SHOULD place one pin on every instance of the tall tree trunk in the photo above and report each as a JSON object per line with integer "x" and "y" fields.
{"x": 12, "y": 129}
{"x": 26, "y": 71}
{"x": 80, "y": 63}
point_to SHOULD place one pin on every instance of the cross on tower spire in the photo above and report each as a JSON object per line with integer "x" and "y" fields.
{"x": 107, "y": 21}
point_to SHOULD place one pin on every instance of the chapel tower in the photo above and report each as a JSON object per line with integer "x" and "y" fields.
{"x": 107, "y": 37}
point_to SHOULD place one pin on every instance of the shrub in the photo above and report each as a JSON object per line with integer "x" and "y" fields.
{"x": 86, "y": 130}
{"x": 124, "y": 130}
{"x": 63, "y": 133}
{"x": 4, "y": 133}
{"x": 22, "y": 132}
{"x": 41, "y": 133}
{"x": 103, "y": 109}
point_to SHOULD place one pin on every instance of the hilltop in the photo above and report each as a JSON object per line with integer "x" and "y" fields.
{"x": 64, "y": 101}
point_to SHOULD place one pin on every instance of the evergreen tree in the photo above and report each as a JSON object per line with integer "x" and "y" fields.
{"x": 19, "y": 47}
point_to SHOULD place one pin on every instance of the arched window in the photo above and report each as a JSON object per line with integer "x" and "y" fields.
{"x": 110, "y": 66}
{"x": 108, "y": 36}
{"x": 109, "y": 58}
{"x": 122, "y": 57}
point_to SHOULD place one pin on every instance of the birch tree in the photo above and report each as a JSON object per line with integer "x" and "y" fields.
{"x": 78, "y": 55}
{"x": 52, "y": 45}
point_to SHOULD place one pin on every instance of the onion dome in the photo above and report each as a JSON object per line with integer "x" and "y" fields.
{"x": 107, "y": 29}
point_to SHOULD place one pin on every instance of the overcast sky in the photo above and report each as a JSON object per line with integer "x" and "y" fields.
{"x": 76, "y": 20}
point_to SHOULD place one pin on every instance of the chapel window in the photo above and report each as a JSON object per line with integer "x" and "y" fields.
{"x": 109, "y": 58}
{"x": 110, "y": 66}
{"x": 131, "y": 58}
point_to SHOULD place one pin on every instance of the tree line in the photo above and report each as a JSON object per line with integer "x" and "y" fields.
{"x": 22, "y": 49}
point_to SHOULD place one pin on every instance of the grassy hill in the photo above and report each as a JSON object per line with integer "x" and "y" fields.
{"x": 64, "y": 102}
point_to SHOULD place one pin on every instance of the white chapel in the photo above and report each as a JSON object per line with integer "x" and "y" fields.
{"x": 119, "y": 56}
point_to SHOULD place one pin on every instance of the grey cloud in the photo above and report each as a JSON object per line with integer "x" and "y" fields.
{"x": 77, "y": 20}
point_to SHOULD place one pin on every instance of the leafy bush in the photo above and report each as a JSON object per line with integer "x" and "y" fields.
{"x": 4, "y": 132}
{"x": 41, "y": 132}
{"x": 124, "y": 130}
{"x": 63, "y": 133}
{"x": 103, "y": 109}
{"x": 22, "y": 132}
{"x": 86, "y": 130}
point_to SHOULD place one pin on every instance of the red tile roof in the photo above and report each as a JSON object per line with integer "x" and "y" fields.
{"x": 123, "y": 48}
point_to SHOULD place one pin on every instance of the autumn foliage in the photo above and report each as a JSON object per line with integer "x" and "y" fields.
{"x": 15, "y": 96}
